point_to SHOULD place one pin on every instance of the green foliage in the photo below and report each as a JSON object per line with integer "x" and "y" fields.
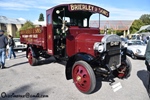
{"x": 101, "y": 31}
{"x": 17, "y": 34}
{"x": 136, "y": 25}
{"x": 119, "y": 32}
{"x": 27, "y": 25}
{"x": 109, "y": 31}
{"x": 145, "y": 19}
{"x": 41, "y": 17}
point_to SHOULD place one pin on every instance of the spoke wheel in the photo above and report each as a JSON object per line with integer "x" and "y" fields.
{"x": 125, "y": 69}
{"x": 32, "y": 61}
{"x": 83, "y": 77}
{"x": 122, "y": 70}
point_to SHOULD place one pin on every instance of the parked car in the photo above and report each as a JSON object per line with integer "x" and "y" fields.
{"x": 18, "y": 45}
{"x": 136, "y": 48}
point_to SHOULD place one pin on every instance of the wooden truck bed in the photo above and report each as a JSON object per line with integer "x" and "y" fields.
{"x": 34, "y": 36}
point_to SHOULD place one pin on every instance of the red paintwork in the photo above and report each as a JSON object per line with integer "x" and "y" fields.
{"x": 81, "y": 78}
{"x": 82, "y": 40}
{"x": 49, "y": 41}
{"x": 36, "y": 36}
{"x": 30, "y": 57}
{"x": 50, "y": 36}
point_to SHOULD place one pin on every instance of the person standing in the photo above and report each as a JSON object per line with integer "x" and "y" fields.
{"x": 147, "y": 62}
{"x": 3, "y": 44}
{"x": 11, "y": 44}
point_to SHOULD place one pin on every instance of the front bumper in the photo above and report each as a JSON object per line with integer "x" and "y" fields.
{"x": 140, "y": 55}
{"x": 20, "y": 48}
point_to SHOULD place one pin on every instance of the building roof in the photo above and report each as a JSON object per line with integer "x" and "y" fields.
{"x": 6, "y": 20}
{"x": 112, "y": 24}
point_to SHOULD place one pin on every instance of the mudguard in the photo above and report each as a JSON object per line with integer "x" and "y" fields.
{"x": 80, "y": 56}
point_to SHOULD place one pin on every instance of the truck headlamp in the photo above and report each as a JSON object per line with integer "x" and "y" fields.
{"x": 98, "y": 46}
{"x": 138, "y": 51}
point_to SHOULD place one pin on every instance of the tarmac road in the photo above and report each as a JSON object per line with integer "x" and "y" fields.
{"x": 19, "y": 80}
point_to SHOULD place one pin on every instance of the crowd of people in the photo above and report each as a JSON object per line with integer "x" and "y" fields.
{"x": 10, "y": 47}
{"x": 144, "y": 38}
{"x": 6, "y": 48}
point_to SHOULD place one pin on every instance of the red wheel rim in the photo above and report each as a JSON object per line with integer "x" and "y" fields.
{"x": 30, "y": 57}
{"x": 81, "y": 78}
{"x": 121, "y": 75}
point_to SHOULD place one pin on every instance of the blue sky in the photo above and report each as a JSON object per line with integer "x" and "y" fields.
{"x": 31, "y": 9}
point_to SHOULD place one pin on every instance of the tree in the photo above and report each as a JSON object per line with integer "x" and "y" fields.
{"x": 27, "y": 25}
{"x": 136, "y": 25}
{"x": 145, "y": 19}
{"x": 41, "y": 17}
{"x": 119, "y": 32}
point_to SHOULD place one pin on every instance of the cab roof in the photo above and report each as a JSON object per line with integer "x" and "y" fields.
{"x": 80, "y": 7}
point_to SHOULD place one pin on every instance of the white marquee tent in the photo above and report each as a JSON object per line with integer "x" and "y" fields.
{"x": 146, "y": 27}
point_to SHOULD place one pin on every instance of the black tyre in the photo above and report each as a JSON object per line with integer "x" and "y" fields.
{"x": 129, "y": 68}
{"x": 83, "y": 77}
{"x": 133, "y": 56}
{"x": 124, "y": 70}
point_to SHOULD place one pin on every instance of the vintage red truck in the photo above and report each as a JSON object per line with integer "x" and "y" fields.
{"x": 88, "y": 54}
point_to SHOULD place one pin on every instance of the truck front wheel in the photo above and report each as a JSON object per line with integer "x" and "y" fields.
{"x": 83, "y": 77}
{"x": 124, "y": 70}
{"x": 32, "y": 60}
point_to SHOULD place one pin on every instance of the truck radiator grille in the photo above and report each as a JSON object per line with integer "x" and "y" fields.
{"x": 113, "y": 58}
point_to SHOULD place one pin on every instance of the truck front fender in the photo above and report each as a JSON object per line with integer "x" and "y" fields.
{"x": 80, "y": 56}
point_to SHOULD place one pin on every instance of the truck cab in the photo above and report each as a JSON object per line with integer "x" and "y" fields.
{"x": 68, "y": 21}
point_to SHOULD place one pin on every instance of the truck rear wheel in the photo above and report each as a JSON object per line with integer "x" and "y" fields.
{"x": 32, "y": 60}
{"x": 83, "y": 77}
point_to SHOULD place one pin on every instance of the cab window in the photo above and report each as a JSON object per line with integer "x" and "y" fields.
{"x": 48, "y": 19}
